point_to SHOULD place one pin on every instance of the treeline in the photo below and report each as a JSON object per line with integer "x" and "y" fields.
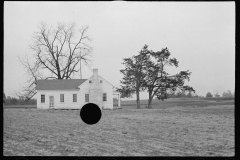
{"x": 182, "y": 95}
{"x": 227, "y": 94}
{"x": 18, "y": 101}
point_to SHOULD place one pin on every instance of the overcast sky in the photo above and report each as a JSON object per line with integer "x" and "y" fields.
{"x": 201, "y": 35}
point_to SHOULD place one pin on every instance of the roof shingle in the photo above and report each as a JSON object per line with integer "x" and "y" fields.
{"x": 59, "y": 84}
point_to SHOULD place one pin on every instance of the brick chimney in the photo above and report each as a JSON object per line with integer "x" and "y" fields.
{"x": 95, "y": 75}
{"x": 96, "y": 89}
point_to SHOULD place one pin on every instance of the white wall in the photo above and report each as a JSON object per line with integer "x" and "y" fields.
{"x": 107, "y": 88}
{"x": 68, "y": 99}
{"x": 68, "y": 96}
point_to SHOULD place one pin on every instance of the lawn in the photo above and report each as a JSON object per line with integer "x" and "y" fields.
{"x": 172, "y": 130}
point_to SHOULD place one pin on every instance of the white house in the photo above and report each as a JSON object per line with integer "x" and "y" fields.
{"x": 74, "y": 93}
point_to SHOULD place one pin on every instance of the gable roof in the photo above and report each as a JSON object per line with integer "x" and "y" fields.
{"x": 100, "y": 77}
{"x": 59, "y": 84}
{"x": 107, "y": 81}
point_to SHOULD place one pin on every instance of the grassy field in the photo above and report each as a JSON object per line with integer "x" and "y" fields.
{"x": 160, "y": 104}
{"x": 174, "y": 129}
{"x": 172, "y": 102}
{"x": 20, "y": 106}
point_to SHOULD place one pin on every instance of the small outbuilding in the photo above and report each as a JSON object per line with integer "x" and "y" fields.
{"x": 74, "y": 93}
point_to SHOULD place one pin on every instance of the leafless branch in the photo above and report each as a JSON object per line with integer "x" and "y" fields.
{"x": 56, "y": 52}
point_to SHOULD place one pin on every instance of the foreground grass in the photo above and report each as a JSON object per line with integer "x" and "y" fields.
{"x": 174, "y": 131}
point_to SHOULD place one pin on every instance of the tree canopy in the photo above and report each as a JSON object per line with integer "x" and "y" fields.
{"x": 209, "y": 94}
{"x": 228, "y": 94}
{"x": 133, "y": 75}
{"x": 149, "y": 73}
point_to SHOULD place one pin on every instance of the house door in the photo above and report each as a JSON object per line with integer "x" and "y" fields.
{"x": 51, "y": 101}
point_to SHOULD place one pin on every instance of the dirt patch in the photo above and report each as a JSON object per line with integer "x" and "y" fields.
{"x": 176, "y": 131}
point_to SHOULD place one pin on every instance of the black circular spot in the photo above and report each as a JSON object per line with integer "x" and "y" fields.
{"x": 90, "y": 113}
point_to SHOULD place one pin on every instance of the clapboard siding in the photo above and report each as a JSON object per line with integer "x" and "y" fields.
{"x": 107, "y": 88}
{"x": 68, "y": 96}
{"x": 68, "y": 99}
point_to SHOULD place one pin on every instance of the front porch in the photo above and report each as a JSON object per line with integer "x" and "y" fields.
{"x": 118, "y": 106}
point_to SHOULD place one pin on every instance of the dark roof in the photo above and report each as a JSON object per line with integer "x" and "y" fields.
{"x": 59, "y": 84}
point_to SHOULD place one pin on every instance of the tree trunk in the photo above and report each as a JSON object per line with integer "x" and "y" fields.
{"x": 138, "y": 101}
{"x": 150, "y": 103}
{"x": 150, "y": 97}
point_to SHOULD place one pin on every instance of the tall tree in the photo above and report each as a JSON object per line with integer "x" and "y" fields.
{"x": 158, "y": 82}
{"x": 56, "y": 53}
{"x": 134, "y": 75}
{"x": 209, "y": 95}
{"x": 227, "y": 94}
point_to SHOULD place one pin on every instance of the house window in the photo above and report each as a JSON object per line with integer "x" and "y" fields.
{"x": 74, "y": 97}
{"x": 61, "y": 97}
{"x": 42, "y": 98}
{"x": 90, "y": 81}
{"x": 104, "y": 96}
{"x": 86, "y": 97}
{"x": 100, "y": 81}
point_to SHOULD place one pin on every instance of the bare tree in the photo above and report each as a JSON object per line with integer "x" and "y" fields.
{"x": 56, "y": 53}
{"x": 33, "y": 75}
